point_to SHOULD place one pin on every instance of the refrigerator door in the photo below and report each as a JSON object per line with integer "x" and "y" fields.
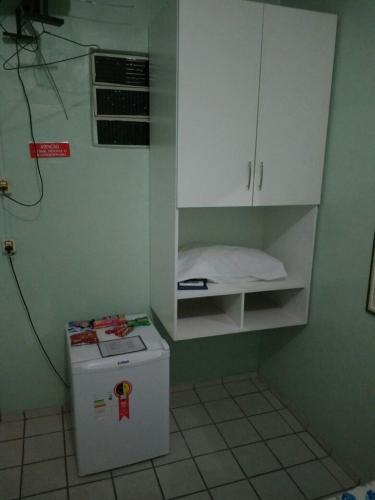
{"x": 121, "y": 414}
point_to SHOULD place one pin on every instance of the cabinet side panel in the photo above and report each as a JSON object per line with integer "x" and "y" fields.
{"x": 163, "y": 217}
{"x": 297, "y": 61}
{"x": 290, "y": 236}
{"x": 219, "y": 59}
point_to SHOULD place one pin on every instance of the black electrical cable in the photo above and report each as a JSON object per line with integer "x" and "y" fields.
{"x": 28, "y": 66}
{"x": 32, "y": 324}
{"x": 5, "y": 67}
{"x": 31, "y": 125}
{"x": 71, "y": 41}
{"x": 54, "y": 85}
{"x": 49, "y": 74}
{"x": 35, "y": 40}
{"x": 20, "y": 47}
{"x": 24, "y": 47}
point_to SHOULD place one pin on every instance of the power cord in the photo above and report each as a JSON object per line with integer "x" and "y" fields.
{"x": 31, "y": 125}
{"x": 44, "y": 64}
{"x": 45, "y": 32}
{"x": 66, "y": 385}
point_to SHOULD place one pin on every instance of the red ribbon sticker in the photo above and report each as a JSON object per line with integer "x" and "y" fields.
{"x": 122, "y": 392}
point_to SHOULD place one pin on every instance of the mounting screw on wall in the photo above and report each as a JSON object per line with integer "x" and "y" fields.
{"x": 9, "y": 247}
{"x": 4, "y": 186}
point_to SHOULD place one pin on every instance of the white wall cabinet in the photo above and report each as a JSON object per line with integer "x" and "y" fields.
{"x": 239, "y": 110}
{"x": 253, "y": 100}
{"x": 219, "y": 46}
{"x": 295, "y": 85}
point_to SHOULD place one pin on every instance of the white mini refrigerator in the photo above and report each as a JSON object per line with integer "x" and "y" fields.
{"x": 120, "y": 399}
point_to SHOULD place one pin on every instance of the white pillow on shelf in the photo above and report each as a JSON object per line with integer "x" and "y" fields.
{"x": 225, "y": 263}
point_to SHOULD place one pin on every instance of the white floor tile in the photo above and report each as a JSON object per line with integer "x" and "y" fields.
{"x": 10, "y": 483}
{"x": 43, "y": 476}
{"x": 100, "y": 490}
{"x": 11, "y": 430}
{"x": 10, "y": 453}
{"x": 138, "y": 486}
{"x": 43, "y": 425}
{"x": 180, "y": 478}
{"x": 43, "y": 447}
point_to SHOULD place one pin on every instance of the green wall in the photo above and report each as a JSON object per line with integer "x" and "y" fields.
{"x": 327, "y": 369}
{"x": 85, "y": 251}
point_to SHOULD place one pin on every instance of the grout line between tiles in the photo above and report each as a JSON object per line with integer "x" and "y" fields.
{"x": 36, "y": 462}
{"x": 204, "y": 403}
{"x": 42, "y": 434}
{"x": 125, "y": 473}
{"x": 327, "y": 454}
{"x": 278, "y": 410}
{"x": 218, "y": 381}
{"x": 231, "y": 452}
{"x": 286, "y": 471}
{"x": 10, "y": 467}
{"x": 179, "y": 429}
{"x": 23, "y": 455}
{"x": 43, "y": 416}
{"x": 320, "y": 459}
{"x": 248, "y": 478}
{"x": 285, "y": 420}
{"x": 323, "y": 497}
{"x": 65, "y": 459}
{"x": 327, "y": 448}
{"x": 271, "y": 451}
{"x": 331, "y": 473}
{"x": 43, "y": 493}
{"x": 157, "y": 478}
{"x": 346, "y": 467}
{"x": 21, "y": 419}
{"x": 28, "y": 437}
{"x": 113, "y": 485}
{"x": 195, "y": 493}
{"x": 265, "y": 443}
{"x": 81, "y": 483}
{"x": 193, "y": 458}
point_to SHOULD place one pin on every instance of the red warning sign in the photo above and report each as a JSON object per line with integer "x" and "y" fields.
{"x": 49, "y": 149}
{"x": 122, "y": 391}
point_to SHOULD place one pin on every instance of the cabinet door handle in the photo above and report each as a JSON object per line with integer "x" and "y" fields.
{"x": 249, "y": 181}
{"x": 261, "y": 176}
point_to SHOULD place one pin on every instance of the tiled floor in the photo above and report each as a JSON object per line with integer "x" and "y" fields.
{"x": 231, "y": 439}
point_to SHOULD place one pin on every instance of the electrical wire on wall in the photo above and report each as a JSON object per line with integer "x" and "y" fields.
{"x": 61, "y": 378}
{"x": 49, "y": 63}
{"x": 43, "y": 64}
{"x": 34, "y": 46}
{"x": 31, "y": 126}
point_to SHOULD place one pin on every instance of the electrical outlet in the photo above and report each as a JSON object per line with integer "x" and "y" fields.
{"x": 9, "y": 247}
{"x": 4, "y": 186}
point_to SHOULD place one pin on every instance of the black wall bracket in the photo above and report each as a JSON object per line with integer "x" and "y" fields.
{"x": 31, "y": 10}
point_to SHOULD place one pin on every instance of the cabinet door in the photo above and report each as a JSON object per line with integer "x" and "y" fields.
{"x": 296, "y": 72}
{"x": 218, "y": 83}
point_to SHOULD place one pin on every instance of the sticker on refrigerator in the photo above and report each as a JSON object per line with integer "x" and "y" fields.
{"x": 99, "y": 403}
{"x": 100, "y": 407}
{"x": 122, "y": 392}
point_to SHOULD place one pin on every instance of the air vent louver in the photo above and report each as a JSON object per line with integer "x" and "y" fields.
{"x": 119, "y": 132}
{"x": 121, "y": 71}
{"x": 121, "y": 99}
{"x": 121, "y": 102}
